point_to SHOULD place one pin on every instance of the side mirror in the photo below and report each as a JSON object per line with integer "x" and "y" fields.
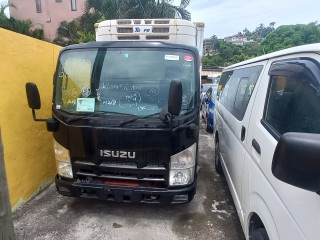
{"x": 33, "y": 96}
{"x": 175, "y": 98}
{"x": 296, "y": 160}
{"x": 34, "y": 102}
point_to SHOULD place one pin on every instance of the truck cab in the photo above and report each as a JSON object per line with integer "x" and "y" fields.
{"x": 125, "y": 117}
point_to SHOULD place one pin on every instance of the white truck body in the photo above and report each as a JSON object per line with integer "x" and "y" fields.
{"x": 177, "y": 31}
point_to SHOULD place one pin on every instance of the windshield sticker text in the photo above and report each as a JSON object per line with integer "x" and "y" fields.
{"x": 130, "y": 99}
{"x": 171, "y": 57}
{"x": 85, "y": 104}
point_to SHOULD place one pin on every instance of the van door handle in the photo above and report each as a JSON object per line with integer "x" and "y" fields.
{"x": 256, "y": 146}
{"x": 243, "y": 133}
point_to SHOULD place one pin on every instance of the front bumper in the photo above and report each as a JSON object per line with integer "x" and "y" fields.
{"x": 125, "y": 194}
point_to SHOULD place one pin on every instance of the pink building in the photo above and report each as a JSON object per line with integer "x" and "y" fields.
{"x": 47, "y": 14}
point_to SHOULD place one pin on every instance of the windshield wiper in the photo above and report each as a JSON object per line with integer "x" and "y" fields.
{"x": 136, "y": 118}
{"x": 94, "y": 114}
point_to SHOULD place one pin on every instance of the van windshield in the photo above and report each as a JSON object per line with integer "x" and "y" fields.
{"x": 128, "y": 81}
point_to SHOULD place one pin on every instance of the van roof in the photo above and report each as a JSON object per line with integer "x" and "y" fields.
{"x": 309, "y": 48}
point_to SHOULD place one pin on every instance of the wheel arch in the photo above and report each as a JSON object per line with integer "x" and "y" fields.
{"x": 260, "y": 217}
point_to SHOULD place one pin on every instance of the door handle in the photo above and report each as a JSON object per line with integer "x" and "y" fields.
{"x": 243, "y": 133}
{"x": 256, "y": 146}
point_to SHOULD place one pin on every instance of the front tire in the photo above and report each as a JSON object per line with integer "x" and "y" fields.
{"x": 259, "y": 234}
{"x": 207, "y": 125}
{"x": 217, "y": 159}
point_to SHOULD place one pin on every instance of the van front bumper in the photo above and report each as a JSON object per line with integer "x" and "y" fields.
{"x": 71, "y": 188}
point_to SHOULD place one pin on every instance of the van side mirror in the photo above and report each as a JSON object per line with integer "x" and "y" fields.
{"x": 175, "y": 98}
{"x": 296, "y": 160}
{"x": 33, "y": 96}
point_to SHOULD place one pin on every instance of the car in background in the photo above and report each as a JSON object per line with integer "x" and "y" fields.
{"x": 204, "y": 89}
{"x": 207, "y": 106}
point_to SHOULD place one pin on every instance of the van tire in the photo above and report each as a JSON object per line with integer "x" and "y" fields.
{"x": 217, "y": 159}
{"x": 207, "y": 125}
{"x": 259, "y": 234}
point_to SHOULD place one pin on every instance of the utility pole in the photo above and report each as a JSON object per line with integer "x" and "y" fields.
{"x": 6, "y": 224}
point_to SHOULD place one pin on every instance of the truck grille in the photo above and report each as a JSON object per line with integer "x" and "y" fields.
{"x": 161, "y": 21}
{"x": 160, "y": 30}
{"x": 124, "y": 22}
{"x": 157, "y": 37}
{"x": 125, "y": 30}
{"x": 128, "y": 37}
{"x": 148, "y": 175}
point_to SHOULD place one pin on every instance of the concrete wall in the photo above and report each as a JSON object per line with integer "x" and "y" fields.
{"x": 28, "y": 147}
{"x": 51, "y": 15}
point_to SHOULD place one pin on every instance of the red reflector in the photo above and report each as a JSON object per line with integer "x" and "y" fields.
{"x": 126, "y": 184}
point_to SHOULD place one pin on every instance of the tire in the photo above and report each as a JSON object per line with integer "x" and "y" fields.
{"x": 259, "y": 234}
{"x": 217, "y": 159}
{"x": 208, "y": 125}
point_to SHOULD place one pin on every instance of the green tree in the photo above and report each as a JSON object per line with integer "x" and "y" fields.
{"x": 291, "y": 35}
{"x": 99, "y": 10}
{"x": 227, "y": 53}
{"x": 22, "y": 27}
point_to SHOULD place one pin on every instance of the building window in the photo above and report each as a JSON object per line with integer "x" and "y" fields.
{"x": 73, "y": 5}
{"x": 38, "y": 6}
{"x": 58, "y": 1}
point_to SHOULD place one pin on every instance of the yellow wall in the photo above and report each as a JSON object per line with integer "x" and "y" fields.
{"x": 28, "y": 147}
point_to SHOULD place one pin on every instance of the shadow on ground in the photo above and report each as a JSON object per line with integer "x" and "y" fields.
{"x": 211, "y": 215}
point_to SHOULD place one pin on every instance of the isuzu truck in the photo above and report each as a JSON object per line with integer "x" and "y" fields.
{"x": 125, "y": 112}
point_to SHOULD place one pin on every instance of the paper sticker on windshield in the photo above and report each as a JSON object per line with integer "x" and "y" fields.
{"x": 171, "y": 57}
{"x": 188, "y": 58}
{"x": 86, "y": 91}
{"x": 85, "y": 104}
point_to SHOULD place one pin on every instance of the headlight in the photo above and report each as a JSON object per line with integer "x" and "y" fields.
{"x": 181, "y": 177}
{"x": 62, "y": 157}
{"x": 182, "y": 167}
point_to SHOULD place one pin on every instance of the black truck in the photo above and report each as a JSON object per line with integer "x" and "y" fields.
{"x": 125, "y": 121}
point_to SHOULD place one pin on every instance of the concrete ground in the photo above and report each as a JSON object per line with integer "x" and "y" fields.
{"x": 211, "y": 214}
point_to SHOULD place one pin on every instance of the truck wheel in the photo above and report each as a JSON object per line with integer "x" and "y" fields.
{"x": 259, "y": 234}
{"x": 217, "y": 159}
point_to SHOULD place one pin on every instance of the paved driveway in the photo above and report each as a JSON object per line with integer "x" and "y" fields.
{"x": 211, "y": 215}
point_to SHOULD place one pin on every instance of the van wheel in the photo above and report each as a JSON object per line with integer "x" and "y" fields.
{"x": 217, "y": 159}
{"x": 207, "y": 125}
{"x": 259, "y": 234}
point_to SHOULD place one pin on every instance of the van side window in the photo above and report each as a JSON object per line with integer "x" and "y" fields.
{"x": 225, "y": 76}
{"x": 293, "y": 105}
{"x": 237, "y": 91}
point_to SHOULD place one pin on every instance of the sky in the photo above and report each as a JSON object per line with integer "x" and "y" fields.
{"x": 5, "y": 2}
{"x": 228, "y": 17}
{"x": 225, "y": 18}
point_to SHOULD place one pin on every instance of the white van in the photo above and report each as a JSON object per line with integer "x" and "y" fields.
{"x": 267, "y": 142}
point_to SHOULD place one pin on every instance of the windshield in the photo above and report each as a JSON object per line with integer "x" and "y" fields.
{"x": 214, "y": 92}
{"x": 206, "y": 87}
{"x": 126, "y": 81}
